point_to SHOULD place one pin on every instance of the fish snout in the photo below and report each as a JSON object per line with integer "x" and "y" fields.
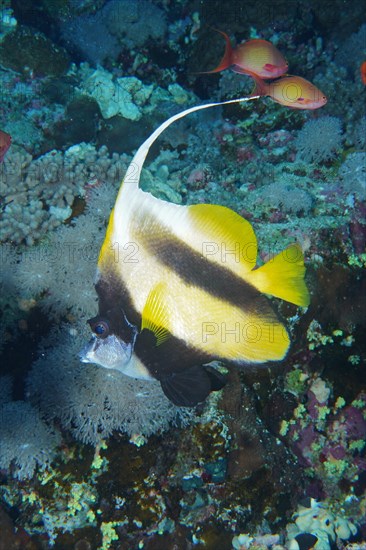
{"x": 110, "y": 352}
{"x": 85, "y": 354}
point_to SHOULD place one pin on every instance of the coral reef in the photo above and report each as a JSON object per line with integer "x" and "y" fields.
{"x": 7, "y": 22}
{"x": 127, "y": 96}
{"x": 90, "y": 458}
{"x": 352, "y": 175}
{"x": 26, "y": 441}
{"x": 129, "y": 23}
{"x": 6, "y": 384}
{"x": 353, "y": 50}
{"x": 93, "y": 402}
{"x": 328, "y": 440}
{"x": 39, "y": 194}
{"x": 287, "y": 198}
{"x": 319, "y": 139}
{"x": 25, "y": 51}
{"x": 324, "y": 527}
{"x": 358, "y": 135}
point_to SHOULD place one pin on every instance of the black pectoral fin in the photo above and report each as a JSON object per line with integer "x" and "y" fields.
{"x": 192, "y": 386}
{"x": 187, "y": 388}
{"x": 217, "y": 379}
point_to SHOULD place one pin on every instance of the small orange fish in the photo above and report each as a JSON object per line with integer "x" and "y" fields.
{"x": 363, "y": 72}
{"x": 255, "y": 57}
{"x": 291, "y": 91}
{"x": 5, "y": 141}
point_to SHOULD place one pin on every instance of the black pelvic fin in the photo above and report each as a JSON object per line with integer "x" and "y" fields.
{"x": 217, "y": 379}
{"x": 192, "y": 386}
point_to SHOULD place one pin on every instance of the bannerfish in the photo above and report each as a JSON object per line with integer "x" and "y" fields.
{"x": 5, "y": 142}
{"x": 254, "y": 57}
{"x": 178, "y": 287}
{"x": 291, "y": 91}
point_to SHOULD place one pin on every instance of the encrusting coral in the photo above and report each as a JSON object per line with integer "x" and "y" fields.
{"x": 127, "y": 96}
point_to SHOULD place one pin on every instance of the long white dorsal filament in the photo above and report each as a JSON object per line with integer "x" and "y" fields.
{"x": 133, "y": 173}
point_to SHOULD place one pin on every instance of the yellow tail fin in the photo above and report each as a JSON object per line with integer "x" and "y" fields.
{"x": 283, "y": 277}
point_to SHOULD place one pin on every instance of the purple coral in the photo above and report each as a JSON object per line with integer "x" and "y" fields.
{"x": 353, "y": 422}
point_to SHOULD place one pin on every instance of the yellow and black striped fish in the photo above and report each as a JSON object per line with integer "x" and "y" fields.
{"x": 178, "y": 288}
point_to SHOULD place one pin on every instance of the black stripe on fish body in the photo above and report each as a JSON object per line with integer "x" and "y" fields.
{"x": 184, "y": 380}
{"x": 176, "y": 365}
{"x": 172, "y": 356}
{"x": 194, "y": 269}
{"x": 115, "y": 306}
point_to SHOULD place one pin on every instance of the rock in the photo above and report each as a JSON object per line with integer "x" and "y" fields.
{"x": 23, "y": 50}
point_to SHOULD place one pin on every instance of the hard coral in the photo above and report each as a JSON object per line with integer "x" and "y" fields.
{"x": 315, "y": 522}
{"x": 38, "y": 194}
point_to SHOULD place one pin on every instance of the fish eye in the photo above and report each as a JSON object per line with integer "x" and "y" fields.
{"x": 100, "y": 329}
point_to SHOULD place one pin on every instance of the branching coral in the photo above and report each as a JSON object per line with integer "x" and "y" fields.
{"x": 38, "y": 194}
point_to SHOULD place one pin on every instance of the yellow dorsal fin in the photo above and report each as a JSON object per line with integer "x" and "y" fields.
{"x": 229, "y": 239}
{"x": 283, "y": 277}
{"x": 155, "y": 315}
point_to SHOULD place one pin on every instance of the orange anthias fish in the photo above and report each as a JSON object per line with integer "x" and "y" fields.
{"x": 291, "y": 91}
{"x": 363, "y": 72}
{"x": 5, "y": 141}
{"x": 255, "y": 57}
